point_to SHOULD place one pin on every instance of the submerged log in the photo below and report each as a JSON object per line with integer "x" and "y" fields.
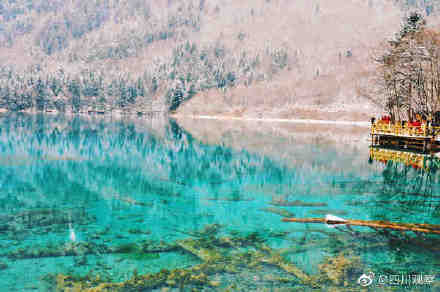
{"x": 274, "y": 258}
{"x": 327, "y": 211}
{"x": 277, "y": 211}
{"x": 226, "y": 199}
{"x": 425, "y": 228}
{"x": 296, "y": 203}
{"x": 132, "y": 201}
{"x": 205, "y": 254}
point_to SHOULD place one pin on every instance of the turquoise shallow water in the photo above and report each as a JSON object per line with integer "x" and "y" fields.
{"x": 113, "y": 198}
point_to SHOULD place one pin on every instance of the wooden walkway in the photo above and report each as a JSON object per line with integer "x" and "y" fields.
{"x": 421, "y": 137}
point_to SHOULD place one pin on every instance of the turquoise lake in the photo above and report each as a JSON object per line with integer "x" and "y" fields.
{"x": 96, "y": 200}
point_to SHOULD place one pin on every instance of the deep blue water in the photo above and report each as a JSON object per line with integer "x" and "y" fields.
{"x": 74, "y": 190}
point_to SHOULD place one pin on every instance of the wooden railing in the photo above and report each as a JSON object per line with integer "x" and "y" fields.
{"x": 404, "y": 129}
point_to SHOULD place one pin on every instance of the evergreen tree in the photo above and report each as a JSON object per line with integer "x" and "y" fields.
{"x": 75, "y": 92}
{"x": 140, "y": 87}
{"x": 41, "y": 94}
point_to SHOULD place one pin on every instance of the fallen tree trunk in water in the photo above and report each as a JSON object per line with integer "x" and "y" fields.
{"x": 425, "y": 228}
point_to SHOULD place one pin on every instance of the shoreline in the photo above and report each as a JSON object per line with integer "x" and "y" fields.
{"x": 274, "y": 120}
{"x": 212, "y": 117}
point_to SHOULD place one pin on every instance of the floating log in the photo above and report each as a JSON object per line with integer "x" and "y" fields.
{"x": 425, "y": 228}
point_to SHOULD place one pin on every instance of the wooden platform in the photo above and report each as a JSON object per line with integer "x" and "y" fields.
{"x": 424, "y": 138}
